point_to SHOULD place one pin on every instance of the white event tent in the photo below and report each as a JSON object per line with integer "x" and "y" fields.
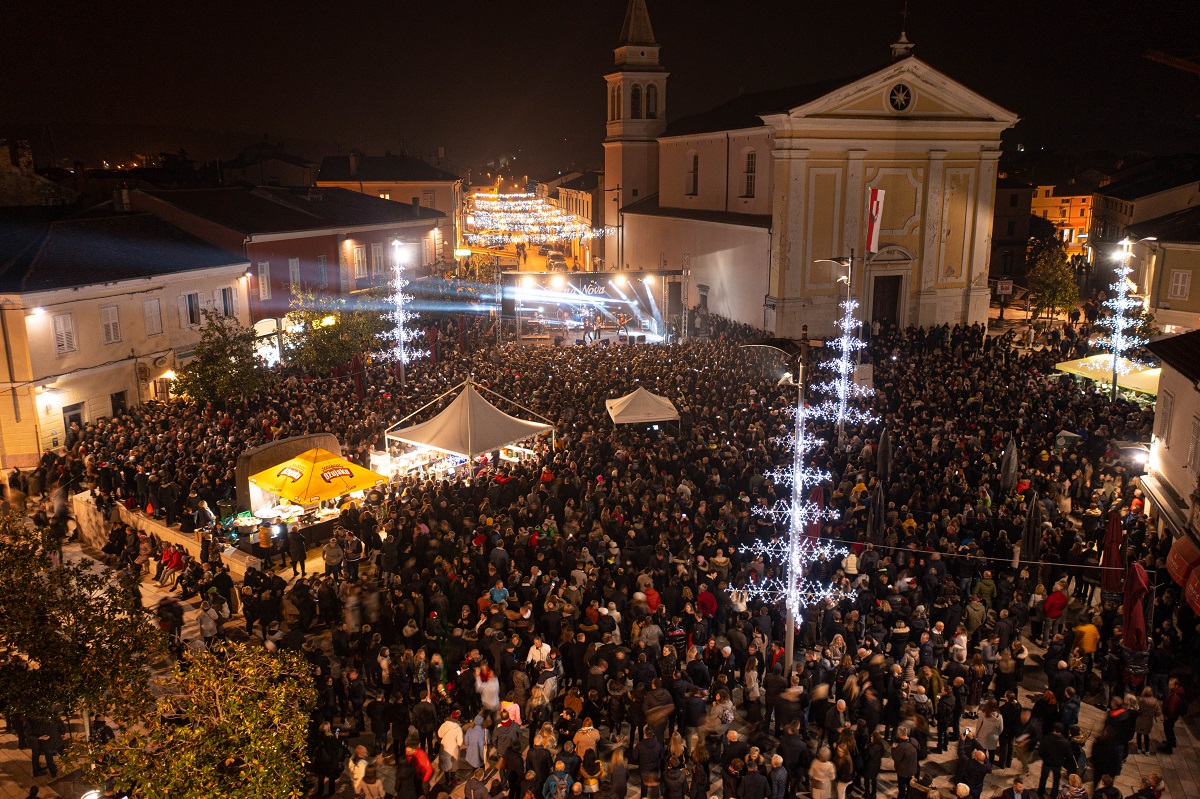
{"x": 641, "y": 407}
{"x": 469, "y": 426}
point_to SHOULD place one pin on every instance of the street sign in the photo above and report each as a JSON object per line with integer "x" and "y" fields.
{"x": 1004, "y": 286}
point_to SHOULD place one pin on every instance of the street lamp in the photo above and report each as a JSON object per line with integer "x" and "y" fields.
{"x": 795, "y": 590}
{"x": 1119, "y": 341}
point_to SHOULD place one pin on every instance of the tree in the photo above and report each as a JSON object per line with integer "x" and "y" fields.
{"x": 69, "y": 636}
{"x": 234, "y": 724}
{"x": 1051, "y": 279}
{"x": 326, "y": 332}
{"x": 225, "y": 363}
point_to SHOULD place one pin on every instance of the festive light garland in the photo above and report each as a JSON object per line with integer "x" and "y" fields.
{"x": 1119, "y": 342}
{"x": 496, "y": 220}
{"x": 842, "y": 387}
{"x": 796, "y": 552}
{"x": 404, "y": 332}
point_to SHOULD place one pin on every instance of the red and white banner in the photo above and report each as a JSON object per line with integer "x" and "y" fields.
{"x": 874, "y": 219}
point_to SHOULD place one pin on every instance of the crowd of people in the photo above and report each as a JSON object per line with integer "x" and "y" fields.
{"x": 572, "y": 624}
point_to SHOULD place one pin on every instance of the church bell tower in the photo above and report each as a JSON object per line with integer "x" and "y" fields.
{"x": 637, "y": 102}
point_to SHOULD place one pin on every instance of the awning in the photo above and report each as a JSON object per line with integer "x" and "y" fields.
{"x": 1143, "y": 379}
{"x": 641, "y": 407}
{"x": 315, "y": 476}
{"x": 1183, "y": 559}
{"x": 469, "y": 426}
{"x": 1172, "y": 507}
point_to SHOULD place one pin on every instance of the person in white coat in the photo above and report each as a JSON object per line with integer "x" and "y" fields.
{"x": 450, "y": 734}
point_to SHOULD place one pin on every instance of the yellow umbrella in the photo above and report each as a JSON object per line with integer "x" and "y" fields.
{"x": 315, "y": 476}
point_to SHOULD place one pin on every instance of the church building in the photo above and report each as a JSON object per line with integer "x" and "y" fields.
{"x": 751, "y": 196}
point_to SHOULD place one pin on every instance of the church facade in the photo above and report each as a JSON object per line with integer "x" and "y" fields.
{"x": 752, "y": 196}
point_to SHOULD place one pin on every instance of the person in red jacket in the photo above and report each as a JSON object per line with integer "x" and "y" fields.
{"x": 1055, "y": 606}
{"x": 1173, "y": 705}
{"x": 420, "y": 762}
{"x": 706, "y": 602}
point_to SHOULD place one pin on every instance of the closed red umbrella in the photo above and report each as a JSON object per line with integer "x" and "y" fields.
{"x": 1112, "y": 574}
{"x": 1137, "y": 585}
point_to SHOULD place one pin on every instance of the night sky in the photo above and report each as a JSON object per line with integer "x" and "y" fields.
{"x": 491, "y": 78}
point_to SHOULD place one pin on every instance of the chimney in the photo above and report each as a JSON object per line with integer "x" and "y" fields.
{"x": 441, "y": 153}
{"x": 24, "y": 156}
{"x": 353, "y": 164}
{"x": 416, "y": 205}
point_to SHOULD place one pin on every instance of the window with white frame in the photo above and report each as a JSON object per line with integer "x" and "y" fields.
{"x": 322, "y": 272}
{"x": 385, "y": 195}
{"x": 225, "y": 302}
{"x": 1181, "y": 284}
{"x": 110, "y": 324}
{"x": 377, "y": 265}
{"x": 427, "y": 198}
{"x": 64, "y": 333}
{"x": 294, "y": 271}
{"x": 189, "y": 309}
{"x": 264, "y": 280}
{"x": 1193, "y": 453}
{"x": 1162, "y": 416}
{"x": 360, "y": 262}
{"x": 152, "y": 312}
{"x": 749, "y": 174}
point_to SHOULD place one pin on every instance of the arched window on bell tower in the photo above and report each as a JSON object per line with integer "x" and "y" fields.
{"x": 620, "y": 102}
{"x": 635, "y": 101}
{"x": 652, "y": 101}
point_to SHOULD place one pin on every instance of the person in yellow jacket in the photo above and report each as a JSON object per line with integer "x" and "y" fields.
{"x": 1087, "y": 636}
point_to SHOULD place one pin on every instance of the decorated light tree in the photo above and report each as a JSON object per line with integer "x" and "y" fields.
{"x": 1121, "y": 340}
{"x": 405, "y": 332}
{"x": 843, "y": 388}
{"x": 796, "y": 552}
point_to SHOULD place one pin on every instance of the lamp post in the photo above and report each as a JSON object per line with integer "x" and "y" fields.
{"x": 848, "y": 343}
{"x": 794, "y": 589}
{"x": 1118, "y": 341}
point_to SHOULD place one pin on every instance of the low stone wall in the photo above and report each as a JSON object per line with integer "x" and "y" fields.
{"x": 94, "y": 529}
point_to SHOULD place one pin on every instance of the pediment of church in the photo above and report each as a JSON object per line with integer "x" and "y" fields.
{"x": 906, "y": 89}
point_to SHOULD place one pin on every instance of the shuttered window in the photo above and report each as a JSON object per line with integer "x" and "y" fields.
{"x": 64, "y": 333}
{"x": 322, "y": 272}
{"x": 152, "y": 310}
{"x": 110, "y": 323}
{"x": 264, "y": 280}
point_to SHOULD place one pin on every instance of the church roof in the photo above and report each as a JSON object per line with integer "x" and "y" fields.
{"x": 744, "y": 110}
{"x": 650, "y": 206}
{"x": 636, "y": 29}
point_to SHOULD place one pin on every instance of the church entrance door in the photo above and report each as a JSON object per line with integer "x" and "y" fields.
{"x": 885, "y": 298}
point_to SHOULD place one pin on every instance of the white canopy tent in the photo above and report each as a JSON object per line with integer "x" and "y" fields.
{"x": 469, "y": 426}
{"x": 641, "y": 407}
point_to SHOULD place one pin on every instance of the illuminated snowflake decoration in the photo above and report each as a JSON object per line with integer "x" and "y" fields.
{"x": 1121, "y": 341}
{"x": 405, "y": 331}
{"x": 843, "y": 388}
{"x": 795, "y": 552}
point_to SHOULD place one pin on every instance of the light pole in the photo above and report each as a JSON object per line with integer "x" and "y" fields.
{"x": 794, "y": 589}
{"x": 849, "y": 344}
{"x": 1119, "y": 342}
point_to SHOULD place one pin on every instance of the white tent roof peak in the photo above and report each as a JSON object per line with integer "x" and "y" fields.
{"x": 469, "y": 426}
{"x": 641, "y": 407}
